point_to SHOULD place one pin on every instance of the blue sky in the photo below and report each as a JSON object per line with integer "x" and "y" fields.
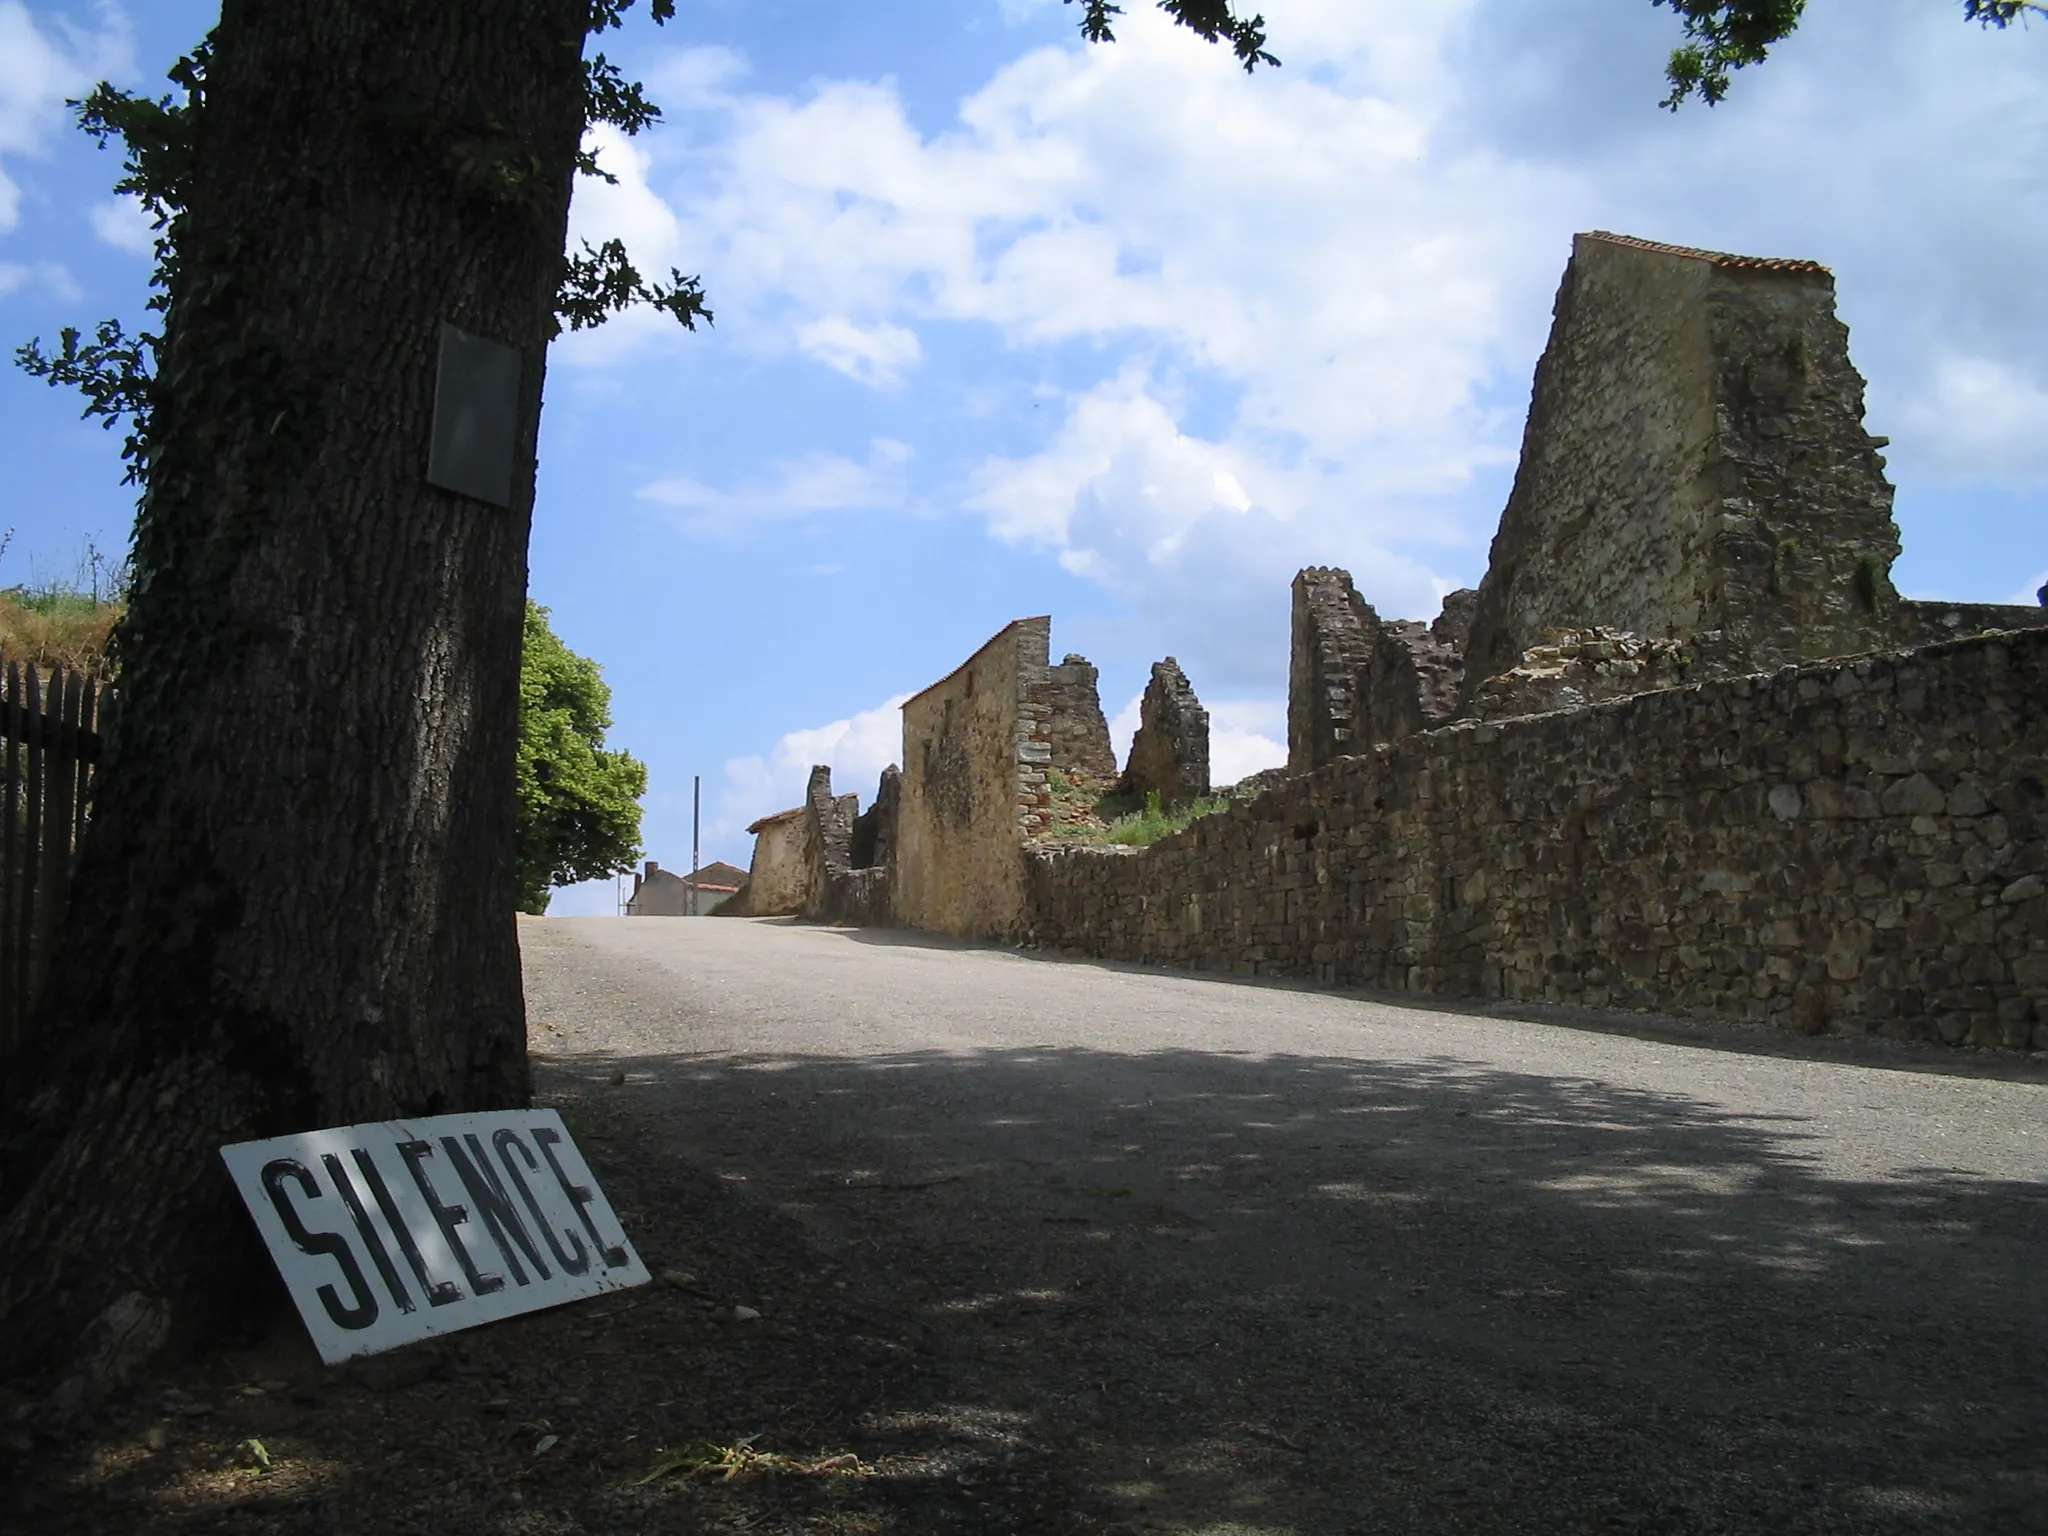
{"x": 1011, "y": 325}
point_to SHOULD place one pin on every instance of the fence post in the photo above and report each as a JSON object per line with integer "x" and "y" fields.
{"x": 31, "y": 835}
{"x": 10, "y": 856}
{"x": 49, "y": 754}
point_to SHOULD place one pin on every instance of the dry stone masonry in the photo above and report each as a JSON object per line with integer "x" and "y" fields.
{"x": 1574, "y": 667}
{"x": 977, "y": 749}
{"x": 1170, "y": 752}
{"x": 1685, "y": 747}
{"x": 1694, "y": 461}
{"x": 1333, "y": 633}
{"x": 1075, "y": 729}
{"x": 1859, "y": 846}
{"x": 874, "y": 830}
{"x": 1355, "y": 679}
{"x": 780, "y": 875}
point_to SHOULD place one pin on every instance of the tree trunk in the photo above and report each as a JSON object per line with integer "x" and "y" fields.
{"x": 295, "y": 908}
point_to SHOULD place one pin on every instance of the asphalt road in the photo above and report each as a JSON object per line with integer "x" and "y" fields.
{"x": 1243, "y": 1258}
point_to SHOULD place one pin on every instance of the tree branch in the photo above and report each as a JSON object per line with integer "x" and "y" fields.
{"x": 1727, "y": 35}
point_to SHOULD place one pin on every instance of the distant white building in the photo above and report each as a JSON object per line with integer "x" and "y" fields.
{"x": 660, "y": 893}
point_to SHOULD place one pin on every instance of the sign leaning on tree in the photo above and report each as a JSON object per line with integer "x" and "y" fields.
{"x": 336, "y": 188}
{"x": 389, "y": 1233}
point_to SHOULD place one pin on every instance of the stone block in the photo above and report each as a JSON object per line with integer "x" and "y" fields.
{"x": 1170, "y": 752}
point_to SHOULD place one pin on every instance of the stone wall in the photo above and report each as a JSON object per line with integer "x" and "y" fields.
{"x": 1694, "y": 460}
{"x": 825, "y": 860}
{"x": 1576, "y": 667}
{"x": 828, "y": 839}
{"x": 874, "y": 830}
{"x": 1415, "y": 677}
{"x": 1355, "y": 679}
{"x": 1859, "y": 846}
{"x": 1170, "y": 752}
{"x": 836, "y": 889}
{"x": 1928, "y": 623}
{"x": 976, "y": 747}
{"x": 1074, "y": 724}
{"x": 1332, "y": 643}
{"x": 777, "y": 879}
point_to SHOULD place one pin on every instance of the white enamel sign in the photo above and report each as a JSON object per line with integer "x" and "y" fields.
{"x": 389, "y": 1233}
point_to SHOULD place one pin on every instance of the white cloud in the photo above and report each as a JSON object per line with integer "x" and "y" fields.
{"x": 1982, "y": 419}
{"x": 1204, "y": 536}
{"x": 1285, "y": 258}
{"x": 1906, "y": 150}
{"x": 1291, "y": 318}
{"x": 49, "y": 274}
{"x": 857, "y": 749}
{"x": 696, "y": 78}
{"x": 875, "y": 354}
{"x": 124, "y": 223}
{"x": 1246, "y": 735}
{"x": 1123, "y": 726}
{"x": 1016, "y": 11}
{"x": 1120, "y": 445}
{"x": 1135, "y": 192}
{"x": 37, "y": 74}
{"x": 818, "y": 483}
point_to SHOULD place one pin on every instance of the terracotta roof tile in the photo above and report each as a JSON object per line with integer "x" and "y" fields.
{"x": 1718, "y": 258}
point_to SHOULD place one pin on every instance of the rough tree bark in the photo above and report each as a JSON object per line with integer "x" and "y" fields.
{"x": 296, "y": 905}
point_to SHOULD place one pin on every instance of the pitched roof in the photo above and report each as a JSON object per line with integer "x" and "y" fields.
{"x": 717, "y": 876}
{"x": 777, "y": 819}
{"x": 1718, "y": 258}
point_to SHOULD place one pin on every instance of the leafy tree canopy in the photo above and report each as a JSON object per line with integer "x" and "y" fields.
{"x": 1725, "y": 35}
{"x": 579, "y": 803}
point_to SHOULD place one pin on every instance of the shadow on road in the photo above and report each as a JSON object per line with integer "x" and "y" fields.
{"x": 1316, "y": 1294}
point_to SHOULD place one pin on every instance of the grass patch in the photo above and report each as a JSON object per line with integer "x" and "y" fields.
{"x": 1120, "y": 822}
{"x": 58, "y": 630}
{"x": 65, "y": 621}
{"x": 707, "y": 1461}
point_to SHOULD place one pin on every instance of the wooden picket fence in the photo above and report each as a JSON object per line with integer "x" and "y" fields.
{"x": 49, "y": 750}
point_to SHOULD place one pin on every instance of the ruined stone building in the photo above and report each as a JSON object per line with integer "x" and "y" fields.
{"x": 1170, "y": 752}
{"x": 1684, "y": 748}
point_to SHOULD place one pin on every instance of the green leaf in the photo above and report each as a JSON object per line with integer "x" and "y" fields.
{"x": 578, "y": 801}
{"x": 1212, "y": 20}
{"x": 603, "y": 280}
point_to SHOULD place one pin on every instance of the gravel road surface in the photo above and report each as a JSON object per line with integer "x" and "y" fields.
{"x": 1191, "y": 1255}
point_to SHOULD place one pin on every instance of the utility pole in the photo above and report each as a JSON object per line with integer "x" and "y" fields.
{"x": 696, "y": 858}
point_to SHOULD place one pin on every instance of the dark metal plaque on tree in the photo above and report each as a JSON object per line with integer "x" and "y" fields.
{"x": 476, "y": 417}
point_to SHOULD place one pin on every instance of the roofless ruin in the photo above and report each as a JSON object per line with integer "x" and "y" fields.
{"x": 1685, "y": 748}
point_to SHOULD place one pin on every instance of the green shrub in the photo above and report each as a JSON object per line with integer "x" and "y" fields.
{"x": 1143, "y": 827}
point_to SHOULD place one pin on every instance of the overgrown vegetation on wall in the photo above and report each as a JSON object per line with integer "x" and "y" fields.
{"x": 1096, "y": 818}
